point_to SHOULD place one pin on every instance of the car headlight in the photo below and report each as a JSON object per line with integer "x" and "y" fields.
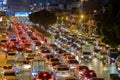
{"x": 118, "y": 68}
{"x": 90, "y": 56}
{"x": 82, "y": 56}
{"x": 101, "y": 56}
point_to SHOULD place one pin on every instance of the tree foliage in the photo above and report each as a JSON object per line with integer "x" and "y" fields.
{"x": 109, "y": 23}
{"x": 43, "y": 18}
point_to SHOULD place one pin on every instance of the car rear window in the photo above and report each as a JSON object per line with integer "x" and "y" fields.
{"x": 9, "y": 74}
{"x": 11, "y": 54}
{"x": 63, "y": 68}
{"x": 7, "y": 67}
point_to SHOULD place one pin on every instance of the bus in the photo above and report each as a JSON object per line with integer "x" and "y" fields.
{"x": 37, "y": 65}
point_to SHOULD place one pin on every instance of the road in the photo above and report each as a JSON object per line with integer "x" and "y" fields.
{"x": 102, "y": 70}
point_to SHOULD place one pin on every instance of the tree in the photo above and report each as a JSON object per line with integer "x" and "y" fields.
{"x": 43, "y": 17}
{"x": 109, "y": 23}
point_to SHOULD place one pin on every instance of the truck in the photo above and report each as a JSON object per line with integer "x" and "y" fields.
{"x": 87, "y": 52}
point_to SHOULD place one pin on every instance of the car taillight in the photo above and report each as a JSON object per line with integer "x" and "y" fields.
{"x": 85, "y": 78}
{"x": 2, "y": 68}
{"x": 38, "y": 79}
{"x": 44, "y": 75}
{"x": 52, "y": 78}
{"x": 2, "y": 47}
{"x": 84, "y": 70}
{"x": 13, "y": 68}
{"x": 91, "y": 73}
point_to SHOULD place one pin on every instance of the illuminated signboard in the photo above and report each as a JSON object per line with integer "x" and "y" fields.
{"x": 22, "y": 13}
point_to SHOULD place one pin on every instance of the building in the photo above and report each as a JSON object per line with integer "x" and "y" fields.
{"x": 1, "y": 5}
{"x": 18, "y": 5}
{"x": 90, "y": 6}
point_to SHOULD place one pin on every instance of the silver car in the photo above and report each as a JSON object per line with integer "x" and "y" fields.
{"x": 117, "y": 63}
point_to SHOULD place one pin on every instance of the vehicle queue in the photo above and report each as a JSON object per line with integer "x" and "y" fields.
{"x": 23, "y": 45}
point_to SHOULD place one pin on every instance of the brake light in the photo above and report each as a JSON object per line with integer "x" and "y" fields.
{"x": 51, "y": 79}
{"x": 4, "y": 79}
{"x": 38, "y": 79}
{"x": 2, "y": 68}
{"x": 13, "y": 68}
{"x": 44, "y": 75}
{"x": 84, "y": 70}
{"x": 85, "y": 78}
{"x": 91, "y": 73}
{"x": 2, "y": 47}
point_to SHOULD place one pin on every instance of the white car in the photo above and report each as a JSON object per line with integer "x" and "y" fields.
{"x": 7, "y": 67}
{"x": 8, "y": 75}
{"x": 117, "y": 63}
{"x": 62, "y": 71}
{"x": 11, "y": 56}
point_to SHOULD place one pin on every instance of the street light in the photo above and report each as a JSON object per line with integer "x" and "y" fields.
{"x": 81, "y": 5}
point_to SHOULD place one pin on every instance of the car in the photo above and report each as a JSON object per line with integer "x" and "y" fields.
{"x": 61, "y": 71}
{"x": 25, "y": 74}
{"x": 8, "y": 75}
{"x": 53, "y": 60}
{"x": 2, "y": 42}
{"x": 79, "y": 71}
{"x": 90, "y": 74}
{"x": 44, "y": 76}
{"x": 44, "y": 51}
{"x": 72, "y": 63}
{"x": 37, "y": 44}
{"x": 117, "y": 63}
{"x": 69, "y": 57}
{"x": 47, "y": 57}
{"x": 7, "y": 67}
{"x": 11, "y": 56}
{"x": 53, "y": 65}
{"x": 102, "y": 55}
{"x": 112, "y": 56}
{"x": 30, "y": 57}
{"x": 28, "y": 49}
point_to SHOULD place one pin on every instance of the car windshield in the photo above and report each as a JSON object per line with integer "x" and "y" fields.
{"x": 63, "y": 68}
{"x": 7, "y": 67}
{"x": 86, "y": 53}
{"x": 56, "y": 63}
{"x": 73, "y": 61}
{"x": 54, "y": 59}
{"x": 13, "y": 40}
{"x": 9, "y": 74}
{"x": 38, "y": 43}
{"x": 11, "y": 54}
{"x": 83, "y": 67}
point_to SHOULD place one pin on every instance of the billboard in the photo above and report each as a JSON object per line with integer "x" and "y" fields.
{"x": 22, "y": 13}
